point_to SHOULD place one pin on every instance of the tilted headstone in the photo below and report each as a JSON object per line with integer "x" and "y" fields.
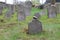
{"x": 28, "y": 7}
{"x": 37, "y": 15}
{"x": 10, "y": 11}
{"x": 20, "y": 12}
{"x": 35, "y": 26}
{"x": 51, "y": 11}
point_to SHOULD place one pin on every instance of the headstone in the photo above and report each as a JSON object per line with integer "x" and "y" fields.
{"x": 35, "y": 26}
{"x": 1, "y": 8}
{"x": 58, "y": 7}
{"x": 51, "y": 11}
{"x": 43, "y": 12}
{"x": 28, "y": 7}
{"x": 2, "y": 4}
{"x": 37, "y": 15}
{"x": 10, "y": 11}
{"x": 20, "y": 11}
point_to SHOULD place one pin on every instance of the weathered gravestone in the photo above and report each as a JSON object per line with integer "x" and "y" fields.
{"x": 51, "y": 11}
{"x": 1, "y": 7}
{"x": 20, "y": 11}
{"x": 43, "y": 12}
{"x": 37, "y": 15}
{"x": 28, "y": 7}
{"x": 35, "y": 26}
{"x": 2, "y": 4}
{"x": 58, "y": 7}
{"x": 10, "y": 11}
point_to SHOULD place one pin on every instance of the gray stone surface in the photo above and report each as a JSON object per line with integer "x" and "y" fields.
{"x": 43, "y": 12}
{"x": 1, "y": 8}
{"x": 51, "y": 12}
{"x": 58, "y": 7}
{"x": 27, "y": 8}
{"x": 37, "y": 15}
{"x": 2, "y": 5}
{"x": 10, "y": 11}
{"x": 34, "y": 27}
{"x": 20, "y": 11}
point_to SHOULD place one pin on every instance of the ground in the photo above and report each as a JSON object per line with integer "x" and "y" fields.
{"x": 11, "y": 29}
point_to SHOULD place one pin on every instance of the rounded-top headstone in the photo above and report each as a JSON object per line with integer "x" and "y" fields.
{"x": 21, "y": 12}
{"x": 52, "y": 13}
{"x": 28, "y": 3}
{"x": 27, "y": 8}
{"x": 35, "y": 26}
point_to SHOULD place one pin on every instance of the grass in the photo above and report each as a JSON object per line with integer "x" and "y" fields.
{"x": 10, "y": 30}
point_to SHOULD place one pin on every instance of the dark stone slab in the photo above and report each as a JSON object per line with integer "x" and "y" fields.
{"x": 35, "y": 26}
